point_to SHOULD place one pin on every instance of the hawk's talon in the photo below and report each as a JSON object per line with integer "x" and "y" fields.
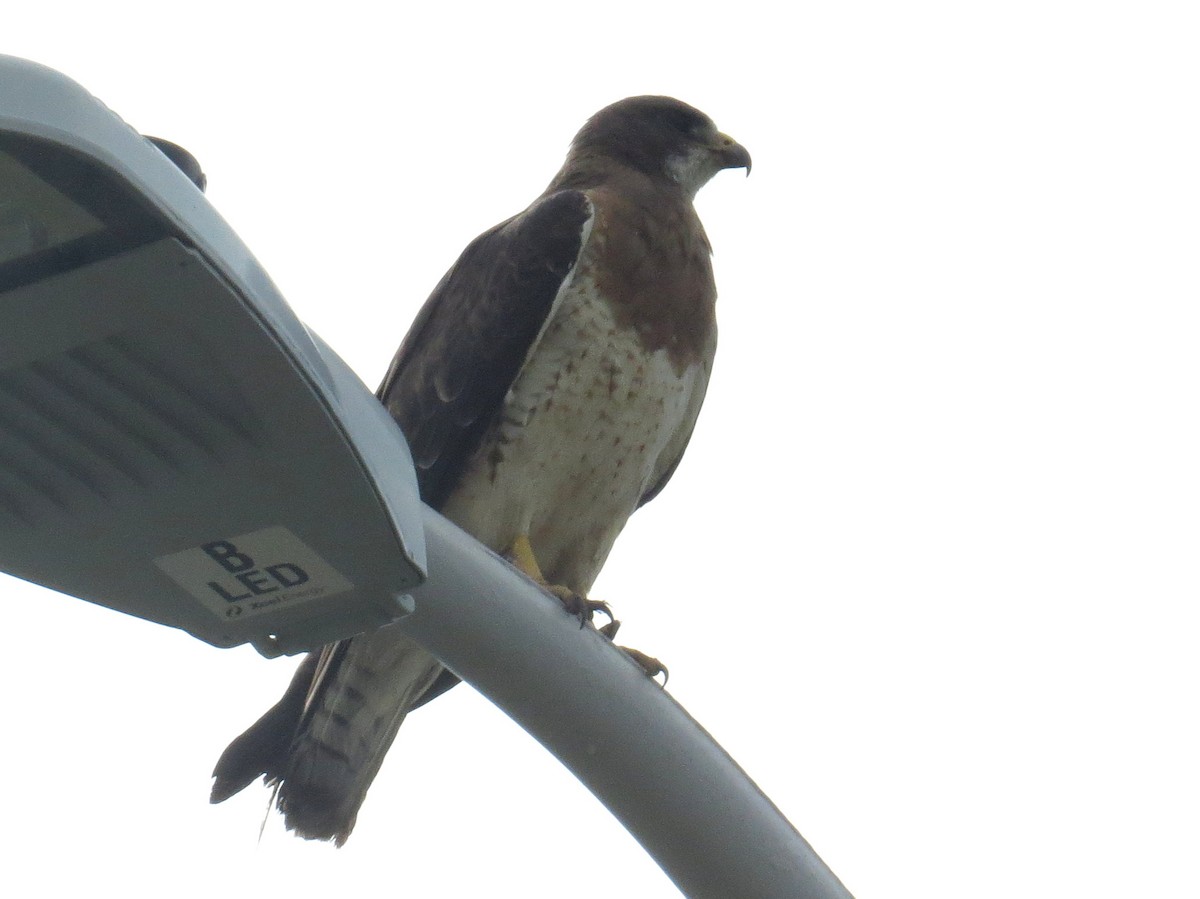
{"x": 579, "y": 605}
{"x": 652, "y": 666}
{"x": 521, "y": 555}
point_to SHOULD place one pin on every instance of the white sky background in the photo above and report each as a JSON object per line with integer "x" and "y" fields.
{"x": 929, "y": 570}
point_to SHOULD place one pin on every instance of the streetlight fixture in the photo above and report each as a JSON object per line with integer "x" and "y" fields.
{"x": 174, "y": 443}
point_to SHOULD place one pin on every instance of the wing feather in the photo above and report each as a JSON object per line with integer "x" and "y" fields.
{"x": 448, "y": 380}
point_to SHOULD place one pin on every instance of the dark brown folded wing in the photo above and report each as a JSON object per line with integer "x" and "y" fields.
{"x": 448, "y": 380}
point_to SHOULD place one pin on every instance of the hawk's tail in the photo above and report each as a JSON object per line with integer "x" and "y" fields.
{"x": 324, "y": 741}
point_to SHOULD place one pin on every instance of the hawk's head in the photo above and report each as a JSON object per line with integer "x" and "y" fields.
{"x": 661, "y": 137}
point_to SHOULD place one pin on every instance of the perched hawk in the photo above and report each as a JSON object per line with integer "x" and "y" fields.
{"x": 547, "y": 389}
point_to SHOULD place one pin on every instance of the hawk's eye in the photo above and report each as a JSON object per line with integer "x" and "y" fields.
{"x": 685, "y": 121}
{"x": 698, "y": 128}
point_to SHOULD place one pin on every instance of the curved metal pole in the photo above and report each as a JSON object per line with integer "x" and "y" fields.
{"x": 655, "y": 768}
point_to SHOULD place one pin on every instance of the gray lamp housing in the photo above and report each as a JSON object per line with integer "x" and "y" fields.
{"x": 174, "y": 443}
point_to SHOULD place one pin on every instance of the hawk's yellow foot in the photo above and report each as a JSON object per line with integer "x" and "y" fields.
{"x": 652, "y": 666}
{"x": 520, "y": 554}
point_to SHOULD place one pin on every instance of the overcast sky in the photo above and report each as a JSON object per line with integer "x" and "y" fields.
{"x": 929, "y": 569}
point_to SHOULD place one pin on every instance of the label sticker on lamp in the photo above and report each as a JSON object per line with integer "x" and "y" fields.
{"x": 253, "y": 573}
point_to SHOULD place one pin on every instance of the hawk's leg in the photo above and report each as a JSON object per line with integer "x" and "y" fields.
{"x": 522, "y": 557}
{"x": 652, "y": 666}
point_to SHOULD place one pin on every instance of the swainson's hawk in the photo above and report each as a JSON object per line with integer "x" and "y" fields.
{"x": 548, "y": 388}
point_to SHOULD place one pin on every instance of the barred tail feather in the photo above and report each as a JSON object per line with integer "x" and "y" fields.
{"x": 355, "y": 699}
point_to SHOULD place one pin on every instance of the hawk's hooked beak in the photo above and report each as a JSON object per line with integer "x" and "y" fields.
{"x": 732, "y": 154}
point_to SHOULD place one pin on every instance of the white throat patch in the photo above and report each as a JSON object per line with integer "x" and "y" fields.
{"x": 692, "y": 170}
